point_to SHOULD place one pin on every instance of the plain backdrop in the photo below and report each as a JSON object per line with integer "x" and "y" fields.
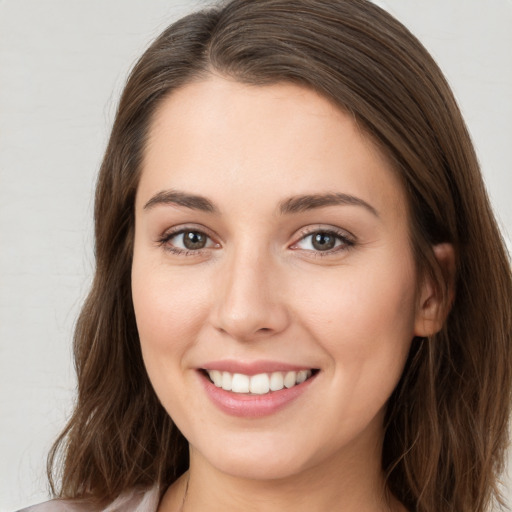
{"x": 62, "y": 66}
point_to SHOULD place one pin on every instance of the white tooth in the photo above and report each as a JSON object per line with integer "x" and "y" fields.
{"x": 289, "y": 379}
{"x": 276, "y": 381}
{"x": 259, "y": 384}
{"x": 226, "y": 381}
{"x": 240, "y": 383}
{"x": 216, "y": 377}
{"x": 302, "y": 376}
{"x": 309, "y": 373}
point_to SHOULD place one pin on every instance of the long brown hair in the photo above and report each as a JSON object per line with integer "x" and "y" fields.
{"x": 446, "y": 427}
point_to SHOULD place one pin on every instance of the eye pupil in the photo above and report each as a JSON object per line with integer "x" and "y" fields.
{"x": 323, "y": 241}
{"x": 194, "y": 240}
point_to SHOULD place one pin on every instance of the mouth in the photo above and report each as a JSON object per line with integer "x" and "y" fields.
{"x": 259, "y": 384}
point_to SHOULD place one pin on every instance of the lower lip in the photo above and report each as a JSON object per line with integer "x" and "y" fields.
{"x": 253, "y": 406}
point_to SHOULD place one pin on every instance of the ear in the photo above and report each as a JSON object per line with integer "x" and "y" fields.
{"x": 434, "y": 303}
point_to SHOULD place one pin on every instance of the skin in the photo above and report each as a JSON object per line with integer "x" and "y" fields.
{"x": 260, "y": 289}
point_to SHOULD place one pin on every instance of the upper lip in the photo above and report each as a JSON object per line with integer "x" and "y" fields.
{"x": 253, "y": 367}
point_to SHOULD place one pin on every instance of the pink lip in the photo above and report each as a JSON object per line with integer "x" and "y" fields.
{"x": 252, "y": 368}
{"x": 252, "y": 406}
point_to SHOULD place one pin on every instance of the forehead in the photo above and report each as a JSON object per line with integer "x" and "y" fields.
{"x": 231, "y": 140}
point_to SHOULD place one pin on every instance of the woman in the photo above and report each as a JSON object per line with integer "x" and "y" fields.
{"x": 298, "y": 264}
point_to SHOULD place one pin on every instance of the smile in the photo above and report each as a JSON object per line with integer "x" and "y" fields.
{"x": 260, "y": 384}
{"x": 255, "y": 390}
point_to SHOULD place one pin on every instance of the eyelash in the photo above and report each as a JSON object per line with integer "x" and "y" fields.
{"x": 167, "y": 237}
{"x": 347, "y": 241}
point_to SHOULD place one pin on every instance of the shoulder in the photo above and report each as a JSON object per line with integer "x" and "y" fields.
{"x": 135, "y": 500}
{"x": 58, "y": 506}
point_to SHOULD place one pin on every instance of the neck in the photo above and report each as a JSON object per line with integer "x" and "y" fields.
{"x": 357, "y": 484}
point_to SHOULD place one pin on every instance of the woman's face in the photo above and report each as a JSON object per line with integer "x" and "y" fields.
{"x": 271, "y": 246}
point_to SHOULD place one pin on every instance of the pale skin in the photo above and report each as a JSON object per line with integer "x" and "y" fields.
{"x": 259, "y": 288}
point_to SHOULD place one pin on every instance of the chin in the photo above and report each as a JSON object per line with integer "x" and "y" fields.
{"x": 262, "y": 467}
{"x": 261, "y": 456}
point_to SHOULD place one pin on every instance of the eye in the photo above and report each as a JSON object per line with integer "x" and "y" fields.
{"x": 324, "y": 241}
{"x": 186, "y": 241}
{"x": 191, "y": 240}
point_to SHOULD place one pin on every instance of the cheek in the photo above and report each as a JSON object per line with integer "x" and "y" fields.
{"x": 169, "y": 309}
{"x": 364, "y": 319}
{"x": 364, "y": 300}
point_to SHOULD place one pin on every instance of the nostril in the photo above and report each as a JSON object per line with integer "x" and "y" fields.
{"x": 243, "y": 320}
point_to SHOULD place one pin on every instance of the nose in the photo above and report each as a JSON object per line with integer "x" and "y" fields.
{"x": 250, "y": 302}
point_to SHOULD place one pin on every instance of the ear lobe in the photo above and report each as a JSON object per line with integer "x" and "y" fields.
{"x": 435, "y": 301}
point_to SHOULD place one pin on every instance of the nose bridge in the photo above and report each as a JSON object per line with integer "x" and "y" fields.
{"x": 249, "y": 303}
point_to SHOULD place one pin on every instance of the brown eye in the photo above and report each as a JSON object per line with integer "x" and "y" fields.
{"x": 187, "y": 242}
{"x": 323, "y": 241}
{"x": 194, "y": 240}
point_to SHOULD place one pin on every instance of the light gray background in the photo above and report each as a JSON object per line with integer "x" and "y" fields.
{"x": 62, "y": 65}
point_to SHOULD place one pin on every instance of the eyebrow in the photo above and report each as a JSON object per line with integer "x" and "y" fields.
{"x": 295, "y": 204}
{"x": 303, "y": 203}
{"x": 175, "y": 197}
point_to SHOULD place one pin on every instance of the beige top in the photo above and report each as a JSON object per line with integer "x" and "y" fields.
{"x": 137, "y": 500}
